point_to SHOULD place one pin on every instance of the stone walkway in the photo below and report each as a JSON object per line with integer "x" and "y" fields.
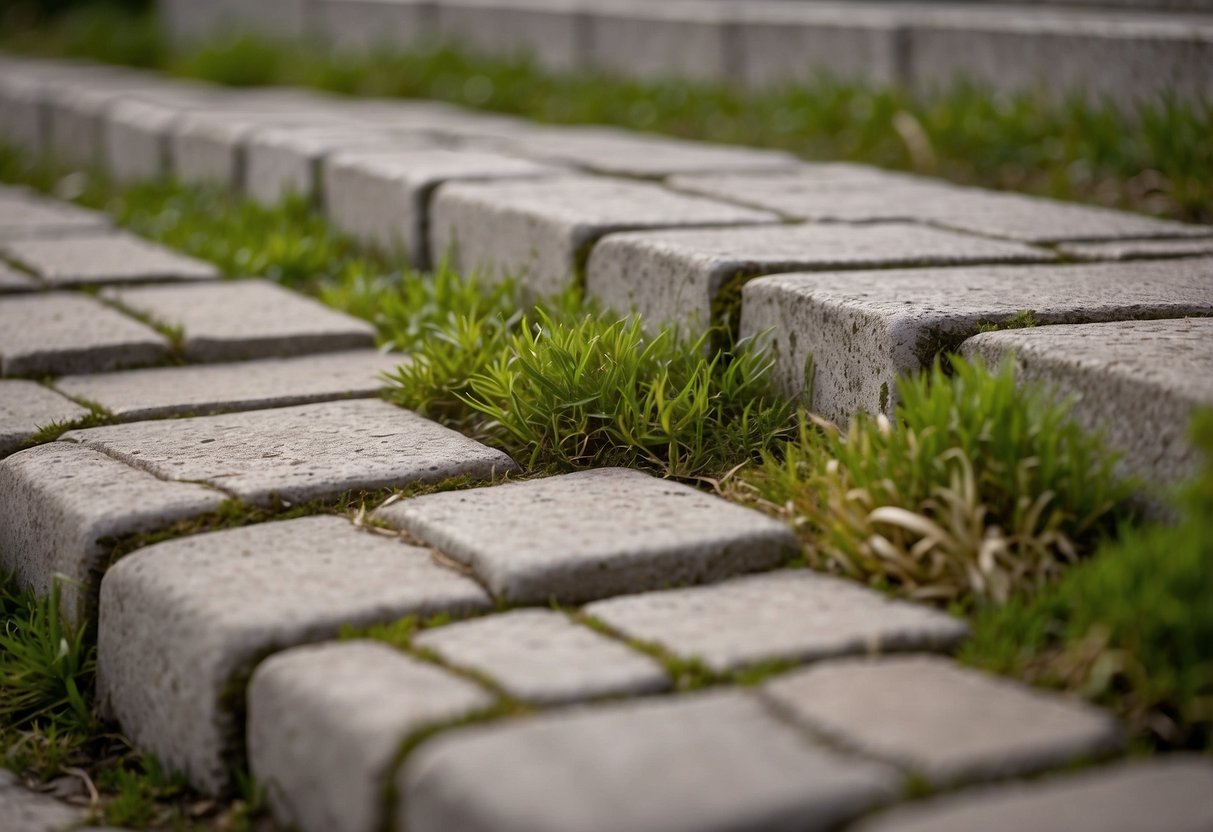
{"x": 601, "y": 650}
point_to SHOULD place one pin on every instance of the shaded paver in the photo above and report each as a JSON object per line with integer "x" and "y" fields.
{"x": 244, "y": 385}
{"x": 299, "y": 453}
{"x": 13, "y": 281}
{"x": 26, "y": 406}
{"x": 946, "y": 723}
{"x": 25, "y": 811}
{"x": 243, "y": 319}
{"x": 592, "y": 534}
{"x": 56, "y": 332}
{"x": 183, "y": 623}
{"x": 1138, "y": 249}
{"x": 699, "y": 763}
{"x": 746, "y": 621}
{"x": 542, "y": 656}
{"x": 325, "y": 724}
{"x": 111, "y": 258}
{"x": 23, "y": 215}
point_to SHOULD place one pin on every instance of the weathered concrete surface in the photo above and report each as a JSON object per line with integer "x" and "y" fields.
{"x": 542, "y": 656}
{"x": 541, "y": 232}
{"x": 863, "y": 329}
{"x": 57, "y": 332}
{"x": 110, "y": 258}
{"x": 24, "y": 215}
{"x": 945, "y": 723}
{"x": 184, "y": 622}
{"x": 299, "y": 453}
{"x": 561, "y": 537}
{"x": 1138, "y": 249}
{"x": 236, "y": 320}
{"x": 326, "y": 723}
{"x": 246, "y": 385}
{"x": 1139, "y": 382}
{"x": 13, "y": 281}
{"x": 27, "y": 811}
{"x": 697, "y": 763}
{"x": 26, "y": 406}
{"x": 744, "y": 622}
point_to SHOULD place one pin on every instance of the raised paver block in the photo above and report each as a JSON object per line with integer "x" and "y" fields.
{"x": 109, "y": 258}
{"x": 551, "y": 33}
{"x": 863, "y": 329}
{"x": 946, "y": 723}
{"x": 699, "y": 763}
{"x": 13, "y": 281}
{"x": 542, "y": 656}
{"x": 746, "y": 621}
{"x": 242, "y": 319}
{"x": 1138, "y": 249}
{"x": 57, "y": 501}
{"x": 26, "y": 406}
{"x": 1166, "y": 792}
{"x": 299, "y": 453}
{"x": 27, "y": 811}
{"x": 674, "y": 277}
{"x": 326, "y": 723}
{"x": 1138, "y": 382}
{"x": 565, "y": 538}
{"x": 24, "y": 215}
{"x": 541, "y": 232}
{"x": 184, "y": 622}
{"x": 678, "y": 42}
{"x": 135, "y": 139}
{"x": 57, "y": 332}
{"x": 222, "y": 388}
{"x": 361, "y": 25}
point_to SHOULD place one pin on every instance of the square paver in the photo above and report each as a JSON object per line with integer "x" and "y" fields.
{"x": 24, "y": 215}
{"x": 111, "y": 258}
{"x": 26, "y": 406}
{"x": 579, "y": 537}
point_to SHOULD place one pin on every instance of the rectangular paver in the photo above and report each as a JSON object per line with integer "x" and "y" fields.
{"x": 592, "y": 534}
{"x": 183, "y": 623}
{"x": 84, "y": 260}
{"x": 23, "y": 215}
{"x": 26, "y": 406}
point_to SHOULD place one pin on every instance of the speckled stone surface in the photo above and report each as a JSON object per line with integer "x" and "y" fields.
{"x": 1138, "y": 249}
{"x": 183, "y": 622}
{"x": 696, "y": 763}
{"x": 299, "y": 453}
{"x": 325, "y": 724}
{"x": 245, "y": 385}
{"x": 111, "y": 258}
{"x": 22, "y": 810}
{"x": 863, "y": 329}
{"x": 13, "y": 281}
{"x": 26, "y": 406}
{"x": 57, "y": 332}
{"x": 744, "y": 622}
{"x": 946, "y": 723}
{"x": 23, "y": 215}
{"x": 235, "y": 320}
{"x": 541, "y": 656}
{"x": 578, "y": 537}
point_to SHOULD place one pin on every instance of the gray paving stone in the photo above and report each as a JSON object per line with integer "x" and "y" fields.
{"x": 74, "y": 115}
{"x": 1137, "y": 249}
{"x": 105, "y": 258}
{"x": 541, "y": 656}
{"x": 863, "y": 329}
{"x": 299, "y": 453}
{"x": 58, "y": 500}
{"x": 697, "y": 763}
{"x": 361, "y": 25}
{"x": 541, "y": 232}
{"x": 588, "y": 535}
{"x": 27, "y": 811}
{"x": 24, "y": 215}
{"x": 22, "y": 121}
{"x": 184, "y": 622}
{"x": 383, "y": 198}
{"x": 222, "y": 388}
{"x": 1139, "y": 382}
{"x": 57, "y": 332}
{"x": 1167, "y": 792}
{"x": 26, "y": 406}
{"x": 326, "y": 723}
{"x": 551, "y": 33}
{"x": 135, "y": 140}
{"x": 946, "y": 723}
{"x": 744, "y": 622}
{"x": 243, "y": 319}
{"x": 674, "y": 277}
{"x": 674, "y": 41}
{"x": 13, "y": 281}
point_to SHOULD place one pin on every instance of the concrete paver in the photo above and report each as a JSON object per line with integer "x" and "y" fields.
{"x": 26, "y": 406}
{"x": 13, "y": 281}
{"x": 24, "y": 215}
{"x": 112, "y": 258}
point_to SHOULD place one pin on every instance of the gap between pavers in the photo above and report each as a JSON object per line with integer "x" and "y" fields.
{"x": 117, "y": 257}
{"x": 26, "y": 406}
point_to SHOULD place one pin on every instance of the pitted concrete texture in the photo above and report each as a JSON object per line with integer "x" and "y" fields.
{"x": 863, "y": 329}
{"x": 541, "y": 232}
{"x": 13, "y": 281}
{"x": 1166, "y": 792}
{"x": 23, "y": 810}
{"x": 235, "y": 320}
{"x": 1137, "y": 382}
{"x": 674, "y": 277}
{"x": 565, "y": 538}
{"x": 24, "y": 215}
{"x": 247, "y": 385}
{"x": 1138, "y": 249}
{"x": 542, "y": 656}
{"x": 744, "y": 622}
{"x": 109, "y": 258}
{"x": 57, "y": 332}
{"x": 57, "y": 501}
{"x": 326, "y": 723}
{"x": 183, "y": 623}
{"x": 299, "y": 453}
{"x": 384, "y": 198}
{"x": 26, "y": 406}
{"x": 696, "y": 763}
{"x": 946, "y": 723}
